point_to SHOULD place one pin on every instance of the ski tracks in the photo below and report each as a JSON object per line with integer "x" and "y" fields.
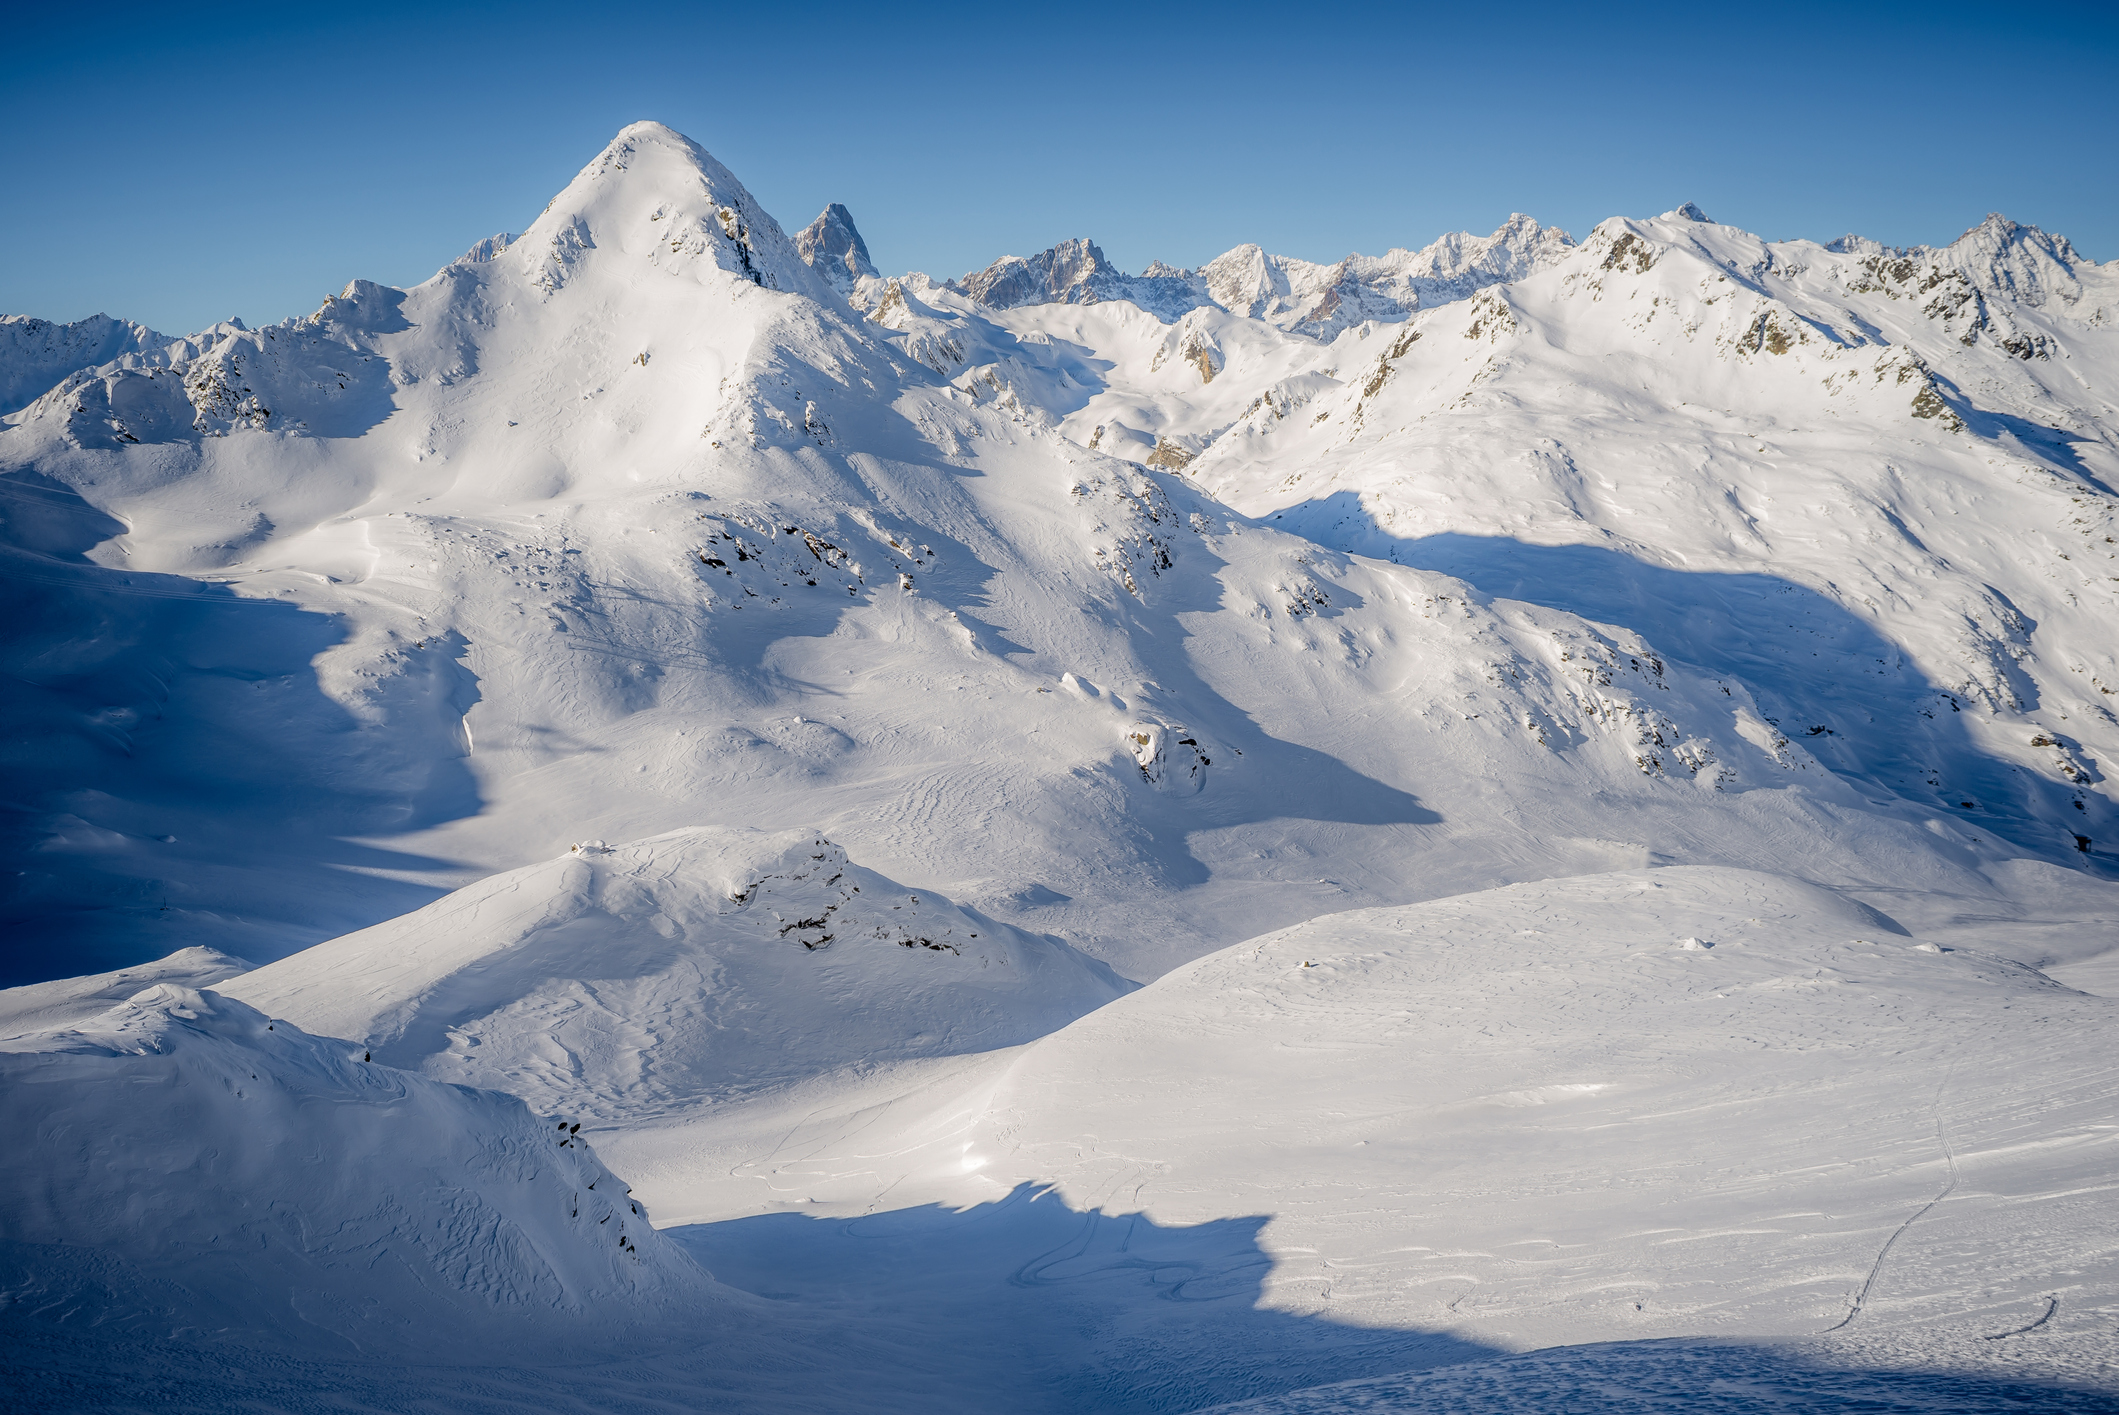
{"x": 1942, "y": 1134}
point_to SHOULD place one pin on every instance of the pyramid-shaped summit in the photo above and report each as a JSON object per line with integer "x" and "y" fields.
{"x": 655, "y": 195}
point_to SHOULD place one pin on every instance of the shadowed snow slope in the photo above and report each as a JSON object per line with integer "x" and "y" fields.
{"x": 206, "y": 1172}
{"x": 619, "y": 983}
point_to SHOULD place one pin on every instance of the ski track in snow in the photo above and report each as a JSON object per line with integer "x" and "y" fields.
{"x": 1405, "y": 834}
{"x": 1942, "y": 1136}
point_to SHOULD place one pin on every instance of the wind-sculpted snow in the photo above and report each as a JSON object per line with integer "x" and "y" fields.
{"x": 205, "y": 1170}
{"x": 621, "y": 982}
{"x": 66, "y": 1002}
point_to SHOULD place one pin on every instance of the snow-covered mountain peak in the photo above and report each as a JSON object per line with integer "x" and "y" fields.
{"x": 1313, "y": 299}
{"x": 1244, "y": 278}
{"x": 832, "y": 246}
{"x": 654, "y": 194}
{"x": 37, "y": 353}
{"x": 1457, "y": 265}
{"x": 1689, "y": 211}
{"x": 2008, "y": 260}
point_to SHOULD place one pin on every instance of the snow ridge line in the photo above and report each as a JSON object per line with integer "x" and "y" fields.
{"x": 1942, "y": 1134}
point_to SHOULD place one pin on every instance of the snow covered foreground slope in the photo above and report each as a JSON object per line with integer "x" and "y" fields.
{"x": 1397, "y": 1147}
{"x": 1688, "y": 1102}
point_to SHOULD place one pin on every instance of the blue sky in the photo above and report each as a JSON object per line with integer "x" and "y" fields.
{"x": 180, "y": 164}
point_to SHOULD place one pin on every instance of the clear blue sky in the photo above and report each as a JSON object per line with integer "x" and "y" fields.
{"x": 178, "y": 164}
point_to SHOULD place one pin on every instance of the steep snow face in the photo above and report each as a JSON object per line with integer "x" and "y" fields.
{"x": 36, "y": 354}
{"x": 618, "y": 983}
{"x": 202, "y": 1168}
{"x": 658, "y": 197}
{"x": 833, "y": 248}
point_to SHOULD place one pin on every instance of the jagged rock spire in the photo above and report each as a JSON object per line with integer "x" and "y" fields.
{"x": 832, "y": 246}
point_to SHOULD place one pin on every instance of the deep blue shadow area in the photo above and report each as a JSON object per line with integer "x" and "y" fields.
{"x": 1028, "y": 1305}
{"x": 1724, "y": 1377}
{"x": 171, "y": 772}
{"x": 1826, "y": 678}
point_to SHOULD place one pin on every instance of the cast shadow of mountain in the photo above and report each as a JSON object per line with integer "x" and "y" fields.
{"x": 1689, "y": 1374}
{"x": 1027, "y": 1305}
{"x": 1828, "y": 678}
{"x": 176, "y": 775}
{"x": 1030, "y": 1306}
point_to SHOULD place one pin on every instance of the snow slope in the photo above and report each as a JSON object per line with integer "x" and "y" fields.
{"x": 620, "y": 983}
{"x": 206, "y": 1173}
{"x": 1875, "y": 485}
{"x": 1620, "y": 1108}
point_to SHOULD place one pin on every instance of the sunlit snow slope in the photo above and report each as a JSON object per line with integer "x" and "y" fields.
{"x": 620, "y": 983}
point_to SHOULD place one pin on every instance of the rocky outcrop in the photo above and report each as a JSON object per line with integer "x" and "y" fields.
{"x": 832, "y": 246}
{"x": 1076, "y": 273}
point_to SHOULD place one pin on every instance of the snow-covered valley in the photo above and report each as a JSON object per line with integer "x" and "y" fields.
{"x": 664, "y": 820}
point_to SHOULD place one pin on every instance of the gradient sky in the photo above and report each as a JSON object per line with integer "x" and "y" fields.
{"x": 177, "y": 165}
